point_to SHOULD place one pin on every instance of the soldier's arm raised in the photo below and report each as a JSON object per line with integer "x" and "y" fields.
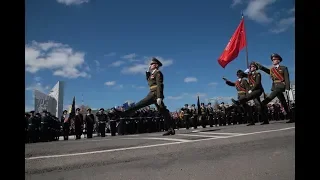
{"x": 257, "y": 83}
{"x": 262, "y": 68}
{"x": 159, "y": 81}
{"x": 286, "y": 77}
{"x": 229, "y": 83}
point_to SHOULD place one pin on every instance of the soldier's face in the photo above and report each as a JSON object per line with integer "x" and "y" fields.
{"x": 252, "y": 68}
{"x": 275, "y": 61}
{"x": 153, "y": 66}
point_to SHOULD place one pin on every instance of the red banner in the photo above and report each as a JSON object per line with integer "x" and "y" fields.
{"x": 235, "y": 45}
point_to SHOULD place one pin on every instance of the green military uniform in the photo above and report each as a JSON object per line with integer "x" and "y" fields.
{"x": 254, "y": 92}
{"x": 155, "y": 82}
{"x": 186, "y": 116}
{"x": 210, "y": 114}
{"x": 242, "y": 87}
{"x": 280, "y": 82}
{"x": 194, "y": 116}
{"x": 203, "y": 115}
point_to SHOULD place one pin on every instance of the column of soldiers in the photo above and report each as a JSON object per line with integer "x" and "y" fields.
{"x": 41, "y": 127}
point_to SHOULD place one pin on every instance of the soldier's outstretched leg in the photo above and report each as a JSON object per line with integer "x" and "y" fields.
{"x": 148, "y": 100}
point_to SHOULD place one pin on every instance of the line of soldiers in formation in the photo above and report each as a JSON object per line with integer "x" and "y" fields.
{"x": 45, "y": 127}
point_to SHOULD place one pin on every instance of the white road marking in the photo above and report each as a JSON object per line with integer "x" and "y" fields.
{"x": 220, "y": 133}
{"x": 196, "y": 135}
{"x": 165, "y": 139}
{"x": 155, "y": 145}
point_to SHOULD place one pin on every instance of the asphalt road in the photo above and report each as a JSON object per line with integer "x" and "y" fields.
{"x": 224, "y": 153}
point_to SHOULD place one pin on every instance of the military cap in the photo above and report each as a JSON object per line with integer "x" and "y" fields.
{"x": 202, "y": 103}
{"x": 222, "y": 102}
{"x": 193, "y": 105}
{"x": 155, "y": 61}
{"x": 240, "y": 72}
{"x": 65, "y": 111}
{"x": 209, "y": 103}
{"x": 31, "y": 112}
{"x": 78, "y": 109}
{"x": 101, "y": 109}
{"x": 276, "y": 55}
{"x": 89, "y": 109}
{"x": 253, "y": 64}
{"x": 186, "y": 105}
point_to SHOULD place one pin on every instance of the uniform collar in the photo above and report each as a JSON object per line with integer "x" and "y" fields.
{"x": 277, "y": 66}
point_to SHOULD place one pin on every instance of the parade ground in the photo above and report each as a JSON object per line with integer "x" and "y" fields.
{"x": 236, "y": 152}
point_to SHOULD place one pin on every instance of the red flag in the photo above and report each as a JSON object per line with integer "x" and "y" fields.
{"x": 235, "y": 45}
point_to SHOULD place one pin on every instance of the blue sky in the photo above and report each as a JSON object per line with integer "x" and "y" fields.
{"x": 100, "y": 48}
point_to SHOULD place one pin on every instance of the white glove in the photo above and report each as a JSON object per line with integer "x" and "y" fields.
{"x": 249, "y": 91}
{"x": 159, "y": 100}
{"x": 247, "y": 70}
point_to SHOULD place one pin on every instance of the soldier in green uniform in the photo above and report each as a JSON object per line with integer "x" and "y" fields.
{"x": 210, "y": 114}
{"x": 242, "y": 86}
{"x": 203, "y": 115}
{"x": 254, "y": 92}
{"x": 281, "y": 82}
{"x": 186, "y": 115}
{"x": 155, "y": 96}
{"x": 194, "y": 116}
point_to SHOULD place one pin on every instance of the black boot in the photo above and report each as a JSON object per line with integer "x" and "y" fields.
{"x": 171, "y": 131}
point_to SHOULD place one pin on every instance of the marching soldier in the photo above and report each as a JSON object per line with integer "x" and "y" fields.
{"x": 78, "y": 124}
{"x": 242, "y": 87}
{"x": 194, "y": 116}
{"x": 254, "y": 93}
{"x": 203, "y": 115}
{"x": 155, "y": 96}
{"x": 186, "y": 115}
{"x": 102, "y": 121}
{"x": 65, "y": 125}
{"x": 281, "y": 82}
{"x": 89, "y": 121}
{"x": 210, "y": 114}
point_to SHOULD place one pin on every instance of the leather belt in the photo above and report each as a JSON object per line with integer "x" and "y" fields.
{"x": 241, "y": 92}
{"x": 277, "y": 81}
{"x": 154, "y": 87}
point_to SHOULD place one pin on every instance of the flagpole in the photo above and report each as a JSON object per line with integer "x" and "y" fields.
{"x": 247, "y": 56}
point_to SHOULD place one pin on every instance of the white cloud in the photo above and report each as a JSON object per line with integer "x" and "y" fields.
{"x": 72, "y": 2}
{"x": 37, "y": 85}
{"x": 60, "y": 58}
{"x": 129, "y": 56}
{"x": 236, "y": 2}
{"x": 190, "y": 79}
{"x": 256, "y": 10}
{"x": 110, "y": 83}
{"x": 110, "y": 54}
{"x": 117, "y": 63}
{"x": 283, "y": 25}
{"x": 213, "y": 84}
{"x": 138, "y": 87}
{"x": 141, "y": 68}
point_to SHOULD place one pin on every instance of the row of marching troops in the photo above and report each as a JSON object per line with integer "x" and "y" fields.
{"x": 222, "y": 115}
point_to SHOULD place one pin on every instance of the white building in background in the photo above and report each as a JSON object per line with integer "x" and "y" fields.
{"x": 53, "y": 102}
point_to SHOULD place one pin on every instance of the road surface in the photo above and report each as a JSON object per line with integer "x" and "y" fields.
{"x": 237, "y": 152}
